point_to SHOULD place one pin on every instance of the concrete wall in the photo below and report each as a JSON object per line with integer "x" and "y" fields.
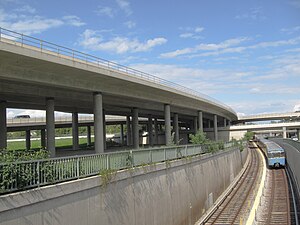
{"x": 172, "y": 193}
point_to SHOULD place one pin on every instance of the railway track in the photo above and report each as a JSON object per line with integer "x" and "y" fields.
{"x": 275, "y": 202}
{"x": 235, "y": 206}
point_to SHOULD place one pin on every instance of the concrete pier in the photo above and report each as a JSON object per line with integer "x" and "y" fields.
{"x": 98, "y": 123}
{"x": 216, "y": 128}
{"x": 43, "y": 138}
{"x": 176, "y": 128}
{"x": 129, "y": 133}
{"x": 135, "y": 128}
{"x": 284, "y": 132}
{"x": 50, "y": 126}
{"x": 122, "y": 134}
{"x": 3, "y": 125}
{"x": 195, "y": 124}
{"x": 88, "y": 136}
{"x": 150, "y": 130}
{"x": 200, "y": 121}
{"x": 75, "y": 136}
{"x": 168, "y": 124}
{"x": 155, "y": 131}
{"x": 28, "y": 141}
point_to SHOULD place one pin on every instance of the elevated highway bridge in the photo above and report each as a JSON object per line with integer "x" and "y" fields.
{"x": 35, "y": 74}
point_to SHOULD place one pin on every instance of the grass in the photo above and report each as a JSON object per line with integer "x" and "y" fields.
{"x": 36, "y": 144}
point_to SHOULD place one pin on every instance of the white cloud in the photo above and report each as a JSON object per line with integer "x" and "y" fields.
{"x": 94, "y": 41}
{"x": 124, "y": 6}
{"x": 253, "y": 14}
{"x": 26, "y": 9}
{"x": 297, "y": 108}
{"x": 105, "y": 11}
{"x": 205, "y": 47}
{"x": 33, "y": 24}
{"x": 73, "y": 21}
{"x": 290, "y": 30}
{"x": 130, "y": 24}
{"x": 191, "y": 32}
{"x": 199, "y": 29}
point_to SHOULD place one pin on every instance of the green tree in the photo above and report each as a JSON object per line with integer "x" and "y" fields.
{"x": 199, "y": 138}
{"x": 248, "y": 135}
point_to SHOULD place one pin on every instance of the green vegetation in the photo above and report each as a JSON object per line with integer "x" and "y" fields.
{"x": 200, "y": 139}
{"x": 248, "y": 136}
{"x": 107, "y": 175}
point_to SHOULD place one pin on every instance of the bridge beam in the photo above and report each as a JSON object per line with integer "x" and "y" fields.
{"x": 75, "y": 137}
{"x": 200, "y": 121}
{"x": 176, "y": 128}
{"x": 135, "y": 128}
{"x": 168, "y": 124}
{"x": 216, "y": 128}
{"x": 50, "y": 126}
{"x": 3, "y": 125}
{"x": 98, "y": 122}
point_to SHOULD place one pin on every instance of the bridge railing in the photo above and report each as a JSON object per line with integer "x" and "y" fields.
{"x": 43, "y": 119}
{"x": 67, "y": 53}
{"x": 28, "y": 174}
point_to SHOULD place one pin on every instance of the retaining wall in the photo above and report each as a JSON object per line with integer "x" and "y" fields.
{"x": 170, "y": 193}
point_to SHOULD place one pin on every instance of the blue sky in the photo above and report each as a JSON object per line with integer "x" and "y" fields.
{"x": 246, "y": 54}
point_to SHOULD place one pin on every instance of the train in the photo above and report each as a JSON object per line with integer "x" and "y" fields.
{"x": 275, "y": 154}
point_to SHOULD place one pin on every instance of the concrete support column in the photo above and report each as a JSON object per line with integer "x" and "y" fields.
{"x": 104, "y": 130}
{"x": 135, "y": 128}
{"x": 128, "y": 125}
{"x": 155, "y": 131}
{"x": 298, "y": 134}
{"x": 168, "y": 124}
{"x": 3, "y": 125}
{"x": 28, "y": 141}
{"x": 150, "y": 131}
{"x": 98, "y": 123}
{"x": 75, "y": 136}
{"x": 225, "y": 122}
{"x": 88, "y": 136}
{"x": 229, "y": 123}
{"x": 50, "y": 126}
{"x": 122, "y": 134}
{"x": 216, "y": 127}
{"x": 176, "y": 128}
{"x": 43, "y": 138}
{"x": 200, "y": 121}
{"x": 284, "y": 132}
{"x": 195, "y": 124}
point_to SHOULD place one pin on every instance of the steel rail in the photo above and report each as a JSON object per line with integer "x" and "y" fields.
{"x": 293, "y": 196}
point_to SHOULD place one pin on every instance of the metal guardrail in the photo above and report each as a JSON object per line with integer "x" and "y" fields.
{"x": 67, "y": 53}
{"x": 28, "y": 174}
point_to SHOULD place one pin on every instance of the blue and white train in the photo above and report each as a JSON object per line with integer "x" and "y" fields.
{"x": 274, "y": 153}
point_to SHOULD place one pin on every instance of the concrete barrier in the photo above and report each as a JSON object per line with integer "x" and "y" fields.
{"x": 169, "y": 193}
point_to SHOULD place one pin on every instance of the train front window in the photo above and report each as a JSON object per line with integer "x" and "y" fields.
{"x": 276, "y": 154}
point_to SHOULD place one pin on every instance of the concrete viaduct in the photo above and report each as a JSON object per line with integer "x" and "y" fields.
{"x": 35, "y": 74}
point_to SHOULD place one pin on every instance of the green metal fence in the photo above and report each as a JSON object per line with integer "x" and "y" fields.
{"x": 28, "y": 174}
